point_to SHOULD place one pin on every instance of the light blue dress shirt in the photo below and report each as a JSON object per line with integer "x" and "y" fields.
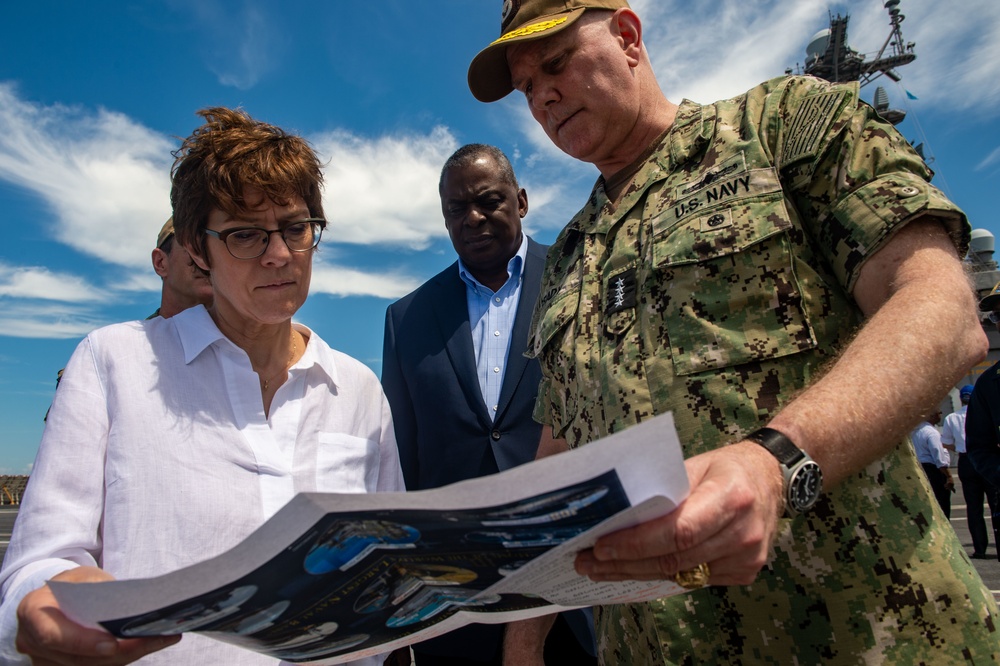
{"x": 491, "y": 316}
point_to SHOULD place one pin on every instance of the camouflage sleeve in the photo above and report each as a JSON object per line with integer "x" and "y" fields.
{"x": 552, "y": 322}
{"x": 853, "y": 177}
{"x": 544, "y": 404}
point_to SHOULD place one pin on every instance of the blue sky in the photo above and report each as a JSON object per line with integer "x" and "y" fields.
{"x": 95, "y": 95}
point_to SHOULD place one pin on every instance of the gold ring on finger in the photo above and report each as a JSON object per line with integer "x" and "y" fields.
{"x": 693, "y": 579}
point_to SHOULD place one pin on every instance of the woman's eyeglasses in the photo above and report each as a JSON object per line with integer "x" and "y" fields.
{"x": 251, "y": 242}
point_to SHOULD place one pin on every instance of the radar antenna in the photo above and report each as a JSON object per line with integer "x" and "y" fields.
{"x": 900, "y": 52}
{"x": 830, "y": 57}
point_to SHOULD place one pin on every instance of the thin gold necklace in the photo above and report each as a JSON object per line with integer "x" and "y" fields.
{"x": 289, "y": 364}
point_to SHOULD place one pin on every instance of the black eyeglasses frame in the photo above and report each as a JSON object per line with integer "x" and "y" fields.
{"x": 224, "y": 235}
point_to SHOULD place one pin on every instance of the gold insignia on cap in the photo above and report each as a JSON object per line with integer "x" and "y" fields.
{"x": 530, "y": 29}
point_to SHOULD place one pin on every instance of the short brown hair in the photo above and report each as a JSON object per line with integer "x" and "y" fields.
{"x": 229, "y": 153}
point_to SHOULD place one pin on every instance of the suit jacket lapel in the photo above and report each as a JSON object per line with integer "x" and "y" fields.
{"x": 452, "y": 314}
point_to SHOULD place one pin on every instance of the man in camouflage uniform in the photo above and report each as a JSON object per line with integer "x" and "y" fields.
{"x": 184, "y": 284}
{"x": 761, "y": 261}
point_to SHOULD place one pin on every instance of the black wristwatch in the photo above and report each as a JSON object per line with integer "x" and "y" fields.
{"x": 802, "y": 475}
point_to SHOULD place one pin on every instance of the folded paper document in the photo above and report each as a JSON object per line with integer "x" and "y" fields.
{"x": 336, "y": 577}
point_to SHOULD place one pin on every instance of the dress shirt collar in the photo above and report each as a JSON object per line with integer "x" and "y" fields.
{"x": 515, "y": 268}
{"x": 198, "y": 332}
{"x": 317, "y": 355}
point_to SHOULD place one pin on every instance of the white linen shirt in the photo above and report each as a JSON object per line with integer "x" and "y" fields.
{"x": 157, "y": 454}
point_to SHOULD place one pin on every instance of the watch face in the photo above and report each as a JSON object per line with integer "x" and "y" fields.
{"x": 804, "y": 487}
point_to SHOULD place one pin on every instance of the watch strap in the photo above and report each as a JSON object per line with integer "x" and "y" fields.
{"x": 778, "y": 444}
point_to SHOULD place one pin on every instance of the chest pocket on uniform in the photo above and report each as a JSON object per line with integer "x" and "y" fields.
{"x": 731, "y": 295}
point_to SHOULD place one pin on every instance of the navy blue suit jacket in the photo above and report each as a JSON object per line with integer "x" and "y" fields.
{"x": 443, "y": 427}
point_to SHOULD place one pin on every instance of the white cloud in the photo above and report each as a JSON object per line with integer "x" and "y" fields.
{"x": 250, "y": 57}
{"x": 39, "y": 282}
{"x": 104, "y": 176}
{"x": 710, "y": 51}
{"x": 714, "y": 50}
{"x": 340, "y": 281}
{"x": 138, "y": 281}
{"x": 106, "y": 179}
{"x": 958, "y": 54}
{"x": 52, "y": 321}
{"x": 989, "y": 160}
{"x": 241, "y": 45}
{"x": 384, "y": 190}
{"x": 99, "y": 172}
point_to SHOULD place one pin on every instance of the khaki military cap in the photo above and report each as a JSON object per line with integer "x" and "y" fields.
{"x": 522, "y": 21}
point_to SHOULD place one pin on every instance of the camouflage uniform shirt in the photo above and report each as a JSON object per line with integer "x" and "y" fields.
{"x": 715, "y": 287}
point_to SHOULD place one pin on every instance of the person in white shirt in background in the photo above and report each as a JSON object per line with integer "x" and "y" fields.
{"x": 934, "y": 459}
{"x": 170, "y": 440}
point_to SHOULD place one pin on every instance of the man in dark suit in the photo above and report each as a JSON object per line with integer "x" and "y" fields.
{"x": 454, "y": 371}
{"x": 982, "y": 441}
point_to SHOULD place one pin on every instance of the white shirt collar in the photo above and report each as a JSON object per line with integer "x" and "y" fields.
{"x": 198, "y": 332}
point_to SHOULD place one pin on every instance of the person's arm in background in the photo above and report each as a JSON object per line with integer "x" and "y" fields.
{"x": 947, "y": 436}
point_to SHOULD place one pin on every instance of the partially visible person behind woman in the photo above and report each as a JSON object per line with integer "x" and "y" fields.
{"x": 171, "y": 440}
